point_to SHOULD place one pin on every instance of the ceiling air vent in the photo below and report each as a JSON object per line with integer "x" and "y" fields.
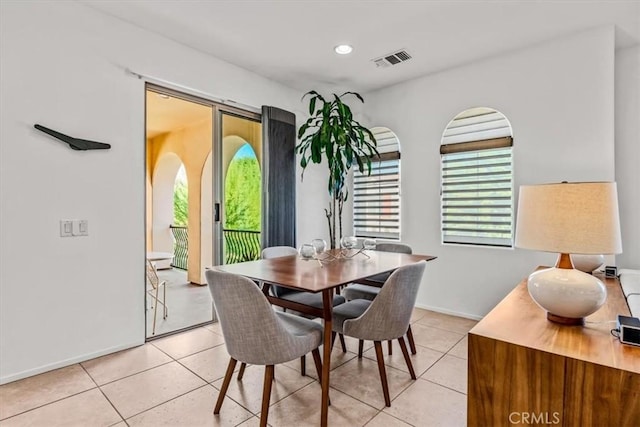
{"x": 392, "y": 59}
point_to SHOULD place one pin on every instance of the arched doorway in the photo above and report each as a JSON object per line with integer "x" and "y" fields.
{"x": 242, "y": 206}
{"x": 162, "y": 194}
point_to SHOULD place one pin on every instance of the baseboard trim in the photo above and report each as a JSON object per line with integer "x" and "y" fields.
{"x": 450, "y": 312}
{"x": 67, "y": 362}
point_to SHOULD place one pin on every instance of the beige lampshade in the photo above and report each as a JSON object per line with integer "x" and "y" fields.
{"x": 572, "y": 218}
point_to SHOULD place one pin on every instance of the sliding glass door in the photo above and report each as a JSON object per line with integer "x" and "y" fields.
{"x": 238, "y": 208}
{"x": 203, "y": 201}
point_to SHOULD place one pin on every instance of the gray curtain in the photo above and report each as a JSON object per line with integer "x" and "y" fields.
{"x": 279, "y": 177}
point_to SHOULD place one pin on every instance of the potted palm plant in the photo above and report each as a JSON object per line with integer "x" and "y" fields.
{"x": 331, "y": 133}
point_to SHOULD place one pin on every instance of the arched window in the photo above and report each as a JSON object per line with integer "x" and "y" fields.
{"x": 376, "y": 197}
{"x": 477, "y": 179}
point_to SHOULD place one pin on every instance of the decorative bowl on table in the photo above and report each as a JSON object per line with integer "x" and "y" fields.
{"x": 319, "y": 246}
{"x": 307, "y": 251}
{"x": 349, "y": 242}
{"x": 369, "y": 244}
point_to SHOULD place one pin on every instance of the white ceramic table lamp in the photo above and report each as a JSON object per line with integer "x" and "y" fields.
{"x": 566, "y": 218}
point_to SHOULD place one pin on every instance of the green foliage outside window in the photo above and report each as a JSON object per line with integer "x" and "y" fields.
{"x": 180, "y": 203}
{"x": 242, "y": 194}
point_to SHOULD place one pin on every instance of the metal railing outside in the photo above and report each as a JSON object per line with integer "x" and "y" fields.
{"x": 241, "y": 245}
{"x": 180, "y": 246}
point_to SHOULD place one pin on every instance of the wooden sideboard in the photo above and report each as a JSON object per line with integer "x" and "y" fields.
{"x": 524, "y": 369}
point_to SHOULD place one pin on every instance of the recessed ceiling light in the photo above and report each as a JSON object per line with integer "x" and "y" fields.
{"x": 343, "y": 49}
{"x": 163, "y": 96}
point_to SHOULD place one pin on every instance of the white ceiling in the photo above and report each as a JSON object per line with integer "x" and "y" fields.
{"x": 292, "y": 41}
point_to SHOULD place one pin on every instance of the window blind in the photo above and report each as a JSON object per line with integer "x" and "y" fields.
{"x": 477, "y": 180}
{"x": 376, "y": 197}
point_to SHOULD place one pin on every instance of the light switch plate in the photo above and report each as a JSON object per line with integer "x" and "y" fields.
{"x": 80, "y": 227}
{"x": 83, "y": 226}
{"x": 66, "y": 228}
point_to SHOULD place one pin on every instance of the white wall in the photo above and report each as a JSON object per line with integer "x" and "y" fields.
{"x": 627, "y": 104}
{"x": 68, "y": 299}
{"x": 559, "y": 99}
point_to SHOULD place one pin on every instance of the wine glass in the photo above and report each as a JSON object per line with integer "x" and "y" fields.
{"x": 369, "y": 244}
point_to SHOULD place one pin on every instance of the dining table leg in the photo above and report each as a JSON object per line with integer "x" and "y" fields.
{"x": 327, "y": 311}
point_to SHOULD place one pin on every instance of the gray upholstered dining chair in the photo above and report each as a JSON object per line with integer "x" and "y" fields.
{"x": 369, "y": 292}
{"x": 385, "y": 318}
{"x": 306, "y": 298}
{"x": 256, "y": 334}
{"x": 362, "y": 291}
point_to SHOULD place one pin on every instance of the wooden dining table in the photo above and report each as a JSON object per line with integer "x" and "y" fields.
{"x": 326, "y": 273}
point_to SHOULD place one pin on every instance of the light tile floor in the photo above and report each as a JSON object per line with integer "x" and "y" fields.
{"x": 174, "y": 381}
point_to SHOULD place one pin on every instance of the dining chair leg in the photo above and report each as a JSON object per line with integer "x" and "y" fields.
{"x": 164, "y": 301}
{"x": 155, "y": 312}
{"x": 266, "y": 395}
{"x": 316, "y": 360}
{"x": 407, "y": 358}
{"x": 303, "y": 365}
{"x": 333, "y": 339}
{"x": 327, "y": 315}
{"x": 225, "y": 384}
{"x": 343, "y": 344}
{"x": 383, "y": 372}
{"x": 360, "y": 348}
{"x": 390, "y": 347}
{"x": 412, "y": 343}
{"x": 241, "y": 371}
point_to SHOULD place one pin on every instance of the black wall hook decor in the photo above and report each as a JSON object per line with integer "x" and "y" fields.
{"x": 75, "y": 143}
